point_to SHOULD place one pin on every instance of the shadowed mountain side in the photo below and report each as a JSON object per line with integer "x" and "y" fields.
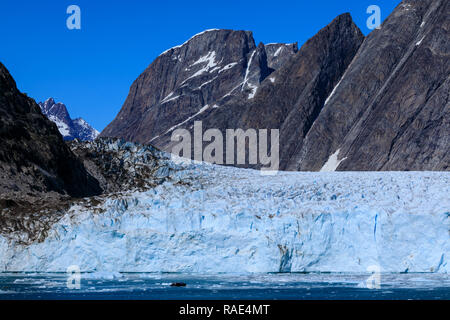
{"x": 391, "y": 108}
{"x": 33, "y": 156}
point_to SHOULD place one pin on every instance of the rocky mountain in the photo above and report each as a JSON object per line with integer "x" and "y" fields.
{"x": 34, "y": 160}
{"x": 185, "y": 81}
{"x": 341, "y": 102}
{"x": 293, "y": 96}
{"x": 391, "y": 108}
{"x": 69, "y": 129}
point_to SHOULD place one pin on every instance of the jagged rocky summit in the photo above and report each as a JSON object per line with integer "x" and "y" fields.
{"x": 191, "y": 80}
{"x": 69, "y": 128}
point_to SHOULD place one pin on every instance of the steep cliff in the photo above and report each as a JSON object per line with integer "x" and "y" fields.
{"x": 33, "y": 156}
{"x": 186, "y": 81}
{"x": 391, "y": 108}
{"x": 342, "y": 102}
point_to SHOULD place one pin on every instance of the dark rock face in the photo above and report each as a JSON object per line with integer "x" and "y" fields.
{"x": 288, "y": 98}
{"x": 279, "y": 53}
{"x": 391, "y": 108}
{"x": 293, "y": 96}
{"x": 341, "y": 102}
{"x": 69, "y": 129}
{"x": 33, "y": 156}
{"x": 183, "y": 82}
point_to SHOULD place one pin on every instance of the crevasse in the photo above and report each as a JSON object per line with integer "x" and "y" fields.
{"x": 235, "y": 220}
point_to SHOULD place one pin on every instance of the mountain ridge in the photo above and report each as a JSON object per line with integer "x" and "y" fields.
{"x": 341, "y": 102}
{"x": 373, "y": 118}
{"x": 69, "y": 128}
{"x": 197, "y": 73}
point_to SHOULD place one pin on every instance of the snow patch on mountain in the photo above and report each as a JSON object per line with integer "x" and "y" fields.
{"x": 333, "y": 92}
{"x": 332, "y": 163}
{"x": 247, "y": 71}
{"x": 69, "y": 128}
{"x": 84, "y": 130}
{"x": 278, "y": 51}
{"x": 62, "y": 127}
{"x": 169, "y": 98}
{"x": 194, "y": 36}
{"x": 228, "y": 67}
{"x": 420, "y": 41}
{"x": 254, "y": 89}
{"x": 210, "y": 58}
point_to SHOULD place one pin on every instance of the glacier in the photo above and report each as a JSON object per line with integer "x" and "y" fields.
{"x": 214, "y": 219}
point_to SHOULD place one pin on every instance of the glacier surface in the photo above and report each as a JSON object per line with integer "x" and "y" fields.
{"x": 213, "y": 219}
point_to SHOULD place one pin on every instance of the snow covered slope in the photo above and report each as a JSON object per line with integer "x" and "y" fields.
{"x": 69, "y": 128}
{"x": 210, "y": 219}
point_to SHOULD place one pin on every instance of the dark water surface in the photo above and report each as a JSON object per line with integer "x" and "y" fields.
{"x": 225, "y": 287}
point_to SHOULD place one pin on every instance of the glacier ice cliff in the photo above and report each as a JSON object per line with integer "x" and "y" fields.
{"x": 211, "y": 219}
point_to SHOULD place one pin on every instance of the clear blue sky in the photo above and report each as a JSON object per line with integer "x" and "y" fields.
{"x": 91, "y": 70}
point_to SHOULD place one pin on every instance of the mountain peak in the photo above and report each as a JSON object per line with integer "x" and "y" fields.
{"x": 50, "y": 101}
{"x": 344, "y": 16}
{"x": 69, "y": 129}
{"x": 207, "y": 35}
{"x": 210, "y": 67}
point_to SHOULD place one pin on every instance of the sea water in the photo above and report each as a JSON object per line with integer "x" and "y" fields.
{"x": 290, "y": 286}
